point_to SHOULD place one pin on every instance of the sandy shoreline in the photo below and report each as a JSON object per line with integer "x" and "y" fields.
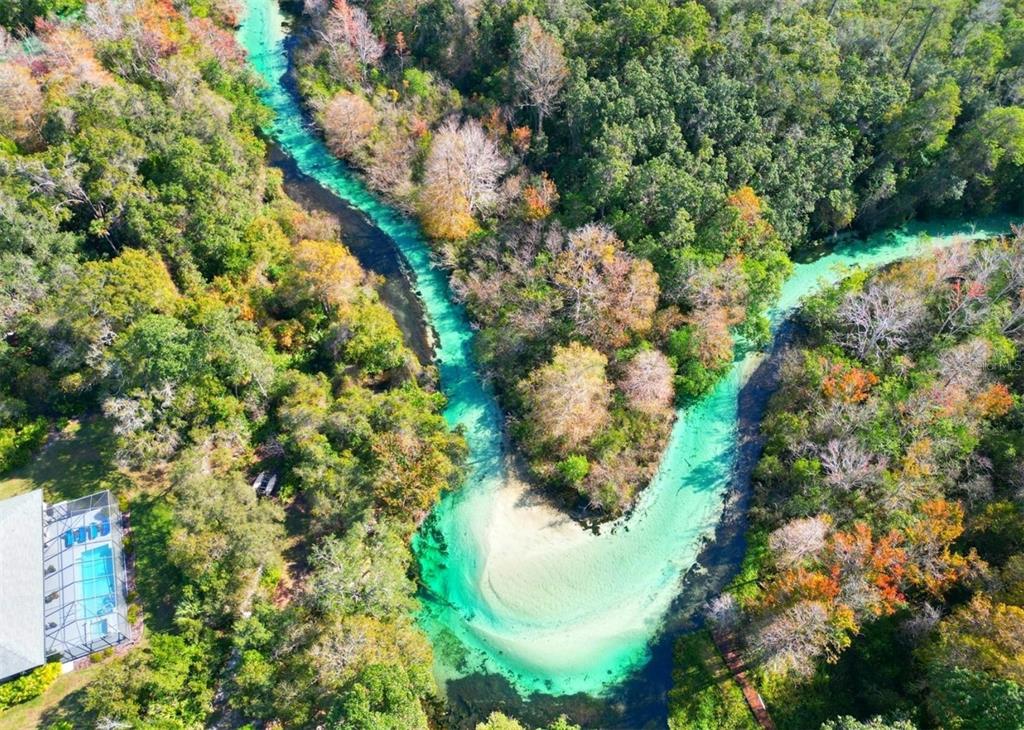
{"x": 512, "y": 583}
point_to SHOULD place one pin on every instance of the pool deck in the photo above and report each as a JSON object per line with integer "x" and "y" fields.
{"x": 84, "y": 581}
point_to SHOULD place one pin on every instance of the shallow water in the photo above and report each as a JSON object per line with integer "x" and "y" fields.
{"x": 512, "y": 586}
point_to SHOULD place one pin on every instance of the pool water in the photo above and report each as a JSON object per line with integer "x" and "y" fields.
{"x": 96, "y": 578}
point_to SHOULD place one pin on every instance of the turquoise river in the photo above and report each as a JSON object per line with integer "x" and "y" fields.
{"x": 512, "y": 586}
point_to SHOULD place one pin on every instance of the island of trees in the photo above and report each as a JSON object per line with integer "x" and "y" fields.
{"x": 615, "y": 186}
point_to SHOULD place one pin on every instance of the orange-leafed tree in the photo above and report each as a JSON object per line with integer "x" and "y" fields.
{"x": 932, "y": 563}
{"x": 739, "y": 225}
{"x": 994, "y": 401}
{"x": 445, "y": 213}
{"x": 21, "y": 102}
{"x": 540, "y": 197}
{"x": 567, "y": 399}
{"x": 847, "y": 383}
{"x": 327, "y": 273}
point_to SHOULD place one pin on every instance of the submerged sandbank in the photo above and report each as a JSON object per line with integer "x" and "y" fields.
{"x": 511, "y": 585}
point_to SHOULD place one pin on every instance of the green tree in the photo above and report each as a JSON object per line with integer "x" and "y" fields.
{"x": 154, "y": 349}
{"x": 224, "y": 537}
{"x": 164, "y": 684}
{"x": 877, "y": 723}
{"x": 381, "y": 697}
{"x": 364, "y": 571}
{"x": 968, "y": 700}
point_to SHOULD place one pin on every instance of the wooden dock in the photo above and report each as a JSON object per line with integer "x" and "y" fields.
{"x": 733, "y": 658}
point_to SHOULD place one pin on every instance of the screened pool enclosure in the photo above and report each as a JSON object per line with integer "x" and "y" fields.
{"x": 85, "y": 606}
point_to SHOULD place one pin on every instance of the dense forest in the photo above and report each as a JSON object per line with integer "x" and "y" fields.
{"x": 615, "y": 186}
{"x": 156, "y": 277}
{"x": 884, "y": 570}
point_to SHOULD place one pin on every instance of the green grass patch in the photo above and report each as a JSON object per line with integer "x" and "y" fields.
{"x": 704, "y": 695}
{"x": 157, "y": 583}
{"x": 76, "y": 462}
{"x": 61, "y": 701}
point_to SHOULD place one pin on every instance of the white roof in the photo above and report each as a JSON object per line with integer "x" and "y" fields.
{"x": 21, "y": 583}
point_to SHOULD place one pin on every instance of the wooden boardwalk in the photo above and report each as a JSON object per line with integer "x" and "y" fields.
{"x": 734, "y": 660}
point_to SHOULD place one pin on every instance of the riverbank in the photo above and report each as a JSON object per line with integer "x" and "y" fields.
{"x": 641, "y": 700}
{"x": 514, "y": 589}
{"x": 377, "y": 253}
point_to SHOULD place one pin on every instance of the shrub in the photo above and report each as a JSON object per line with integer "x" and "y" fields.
{"x": 29, "y": 686}
{"x": 419, "y": 84}
{"x": 18, "y": 443}
{"x": 271, "y": 577}
{"x": 574, "y": 468}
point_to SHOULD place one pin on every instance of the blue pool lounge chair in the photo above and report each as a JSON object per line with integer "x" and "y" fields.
{"x": 105, "y": 527}
{"x": 94, "y": 530}
{"x": 80, "y": 534}
{"x": 69, "y": 539}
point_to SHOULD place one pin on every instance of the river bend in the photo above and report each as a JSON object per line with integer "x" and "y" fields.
{"x": 511, "y": 585}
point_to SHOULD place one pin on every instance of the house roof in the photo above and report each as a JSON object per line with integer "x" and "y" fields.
{"x": 21, "y": 583}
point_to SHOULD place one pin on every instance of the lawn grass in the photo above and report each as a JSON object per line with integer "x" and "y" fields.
{"x": 61, "y": 701}
{"x": 704, "y": 695}
{"x": 75, "y": 462}
{"x": 156, "y": 581}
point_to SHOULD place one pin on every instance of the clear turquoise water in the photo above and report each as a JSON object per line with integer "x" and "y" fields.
{"x": 96, "y": 578}
{"x": 545, "y": 604}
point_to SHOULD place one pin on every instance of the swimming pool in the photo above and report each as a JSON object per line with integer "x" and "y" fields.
{"x": 96, "y": 577}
